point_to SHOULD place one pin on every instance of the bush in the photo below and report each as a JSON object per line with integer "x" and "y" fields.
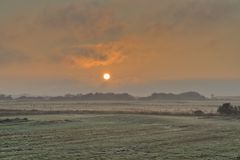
{"x": 228, "y": 109}
{"x": 198, "y": 112}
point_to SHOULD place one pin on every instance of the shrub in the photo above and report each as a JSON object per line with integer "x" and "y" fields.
{"x": 198, "y": 112}
{"x": 228, "y": 109}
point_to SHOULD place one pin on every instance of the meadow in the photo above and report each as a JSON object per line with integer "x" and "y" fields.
{"x": 117, "y": 136}
{"x": 208, "y": 106}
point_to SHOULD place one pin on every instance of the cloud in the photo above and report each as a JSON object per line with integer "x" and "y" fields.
{"x": 87, "y": 20}
{"x": 88, "y": 56}
{"x": 91, "y": 33}
{"x": 41, "y": 34}
{"x": 193, "y": 15}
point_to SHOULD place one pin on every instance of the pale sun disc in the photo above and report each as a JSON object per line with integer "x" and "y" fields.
{"x": 106, "y": 76}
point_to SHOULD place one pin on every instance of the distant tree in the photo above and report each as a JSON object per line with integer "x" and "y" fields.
{"x": 5, "y": 97}
{"x": 228, "y": 109}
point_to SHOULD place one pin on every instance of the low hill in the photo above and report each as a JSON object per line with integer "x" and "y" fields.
{"x": 171, "y": 96}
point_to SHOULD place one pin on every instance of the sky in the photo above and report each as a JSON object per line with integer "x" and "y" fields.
{"x": 64, "y": 46}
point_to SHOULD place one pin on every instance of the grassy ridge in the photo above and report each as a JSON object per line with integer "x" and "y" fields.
{"x": 7, "y": 112}
{"x": 119, "y": 136}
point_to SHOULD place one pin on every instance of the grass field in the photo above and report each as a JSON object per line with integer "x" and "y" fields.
{"x": 119, "y": 136}
{"x": 208, "y": 106}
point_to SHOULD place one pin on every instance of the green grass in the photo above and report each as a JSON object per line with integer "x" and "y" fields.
{"x": 132, "y": 137}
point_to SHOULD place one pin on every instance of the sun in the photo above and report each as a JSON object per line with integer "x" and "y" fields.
{"x": 106, "y": 76}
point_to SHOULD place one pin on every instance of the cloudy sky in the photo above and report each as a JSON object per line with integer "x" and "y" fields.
{"x": 64, "y": 46}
